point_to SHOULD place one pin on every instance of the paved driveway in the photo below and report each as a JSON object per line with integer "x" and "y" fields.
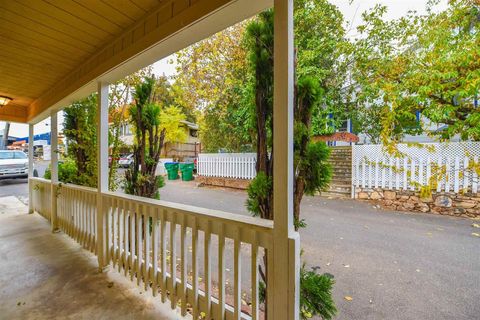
{"x": 394, "y": 265}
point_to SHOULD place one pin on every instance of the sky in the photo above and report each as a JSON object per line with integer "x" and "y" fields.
{"x": 351, "y": 10}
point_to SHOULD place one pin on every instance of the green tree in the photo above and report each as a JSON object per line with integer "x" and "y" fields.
{"x": 154, "y": 122}
{"x": 119, "y": 99}
{"x": 212, "y": 75}
{"x": 311, "y": 169}
{"x": 80, "y": 130}
{"x": 418, "y": 63}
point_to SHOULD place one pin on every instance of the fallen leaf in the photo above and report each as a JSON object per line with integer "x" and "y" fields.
{"x": 346, "y": 265}
{"x": 418, "y": 270}
{"x": 475, "y": 234}
{"x": 109, "y": 284}
{"x": 348, "y": 298}
{"x": 328, "y": 263}
{"x": 476, "y": 225}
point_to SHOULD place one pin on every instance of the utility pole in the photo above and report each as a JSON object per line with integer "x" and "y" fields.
{"x": 5, "y": 135}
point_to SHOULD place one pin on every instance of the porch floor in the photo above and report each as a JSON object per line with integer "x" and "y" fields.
{"x": 49, "y": 276}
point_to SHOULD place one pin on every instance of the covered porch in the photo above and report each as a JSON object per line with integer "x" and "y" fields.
{"x": 46, "y": 275}
{"x": 175, "y": 253}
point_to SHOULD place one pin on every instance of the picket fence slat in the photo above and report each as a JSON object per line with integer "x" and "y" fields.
{"x": 452, "y": 168}
{"x": 227, "y": 165}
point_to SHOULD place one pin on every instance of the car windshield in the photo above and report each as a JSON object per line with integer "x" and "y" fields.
{"x": 20, "y": 155}
{"x": 6, "y": 155}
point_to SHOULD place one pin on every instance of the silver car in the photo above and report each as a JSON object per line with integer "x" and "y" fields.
{"x": 13, "y": 164}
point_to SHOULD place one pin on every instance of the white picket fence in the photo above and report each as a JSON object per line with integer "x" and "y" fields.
{"x": 227, "y": 165}
{"x": 448, "y": 167}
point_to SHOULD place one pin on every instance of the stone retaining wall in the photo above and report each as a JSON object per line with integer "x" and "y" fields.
{"x": 224, "y": 182}
{"x": 445, "y": 203}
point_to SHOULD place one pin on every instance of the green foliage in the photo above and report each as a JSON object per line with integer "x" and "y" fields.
{"x": 316, "y": 167}
{"x": 171, "y": 118}
{"x": 211, "y": 78}
{"x": 428, "y": 63}
{"x": 312, "y": 172}
{"x": 316, "y": 295}
{"x": 258, "y": 191}
{"x": 154, "y": 123}
{"x": 67, "y": 172}
{"x": 80, "y": 130}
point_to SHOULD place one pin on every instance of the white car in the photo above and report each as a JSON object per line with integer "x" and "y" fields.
{"x": 126, "y": 161}
{"x": 13, "y": 164}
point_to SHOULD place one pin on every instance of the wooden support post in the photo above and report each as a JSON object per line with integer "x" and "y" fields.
{"x": 30, "y": 168}
{"x": 286, "y": 242}
{"x": 102, "y": 174}
{"x": 54, "y": 165}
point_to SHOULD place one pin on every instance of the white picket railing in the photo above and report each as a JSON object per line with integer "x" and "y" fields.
{"x": 180, "y": 252}
{"x": 448, "y": 167}
{"x": 40, "y": 189}
{"x": 77, "y": 214}
{"x": 227, "y": 165}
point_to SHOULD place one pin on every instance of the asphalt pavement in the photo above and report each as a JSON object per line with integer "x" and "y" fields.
{"x": 394, "y": 265}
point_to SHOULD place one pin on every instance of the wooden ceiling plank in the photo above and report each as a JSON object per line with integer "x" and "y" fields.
{"x": 29, "y": 85}
{"x": 11, "y": 73}
{"x": 12, "y": 47}
{"x": 147, "y": 4}
{"x": 20, "y": 90}
{"x": 111, "y": 13}
{"x": 80, "y": 45}
{"x": 126, "y": 7}
{"x": 21, "y": 32}
{"x": 86, "y": 15}
{"x": 66, "y": 18}
{"x": 41, "y": 18}
{"x": 18, "y": 68}
{"x": 18, "y": 96}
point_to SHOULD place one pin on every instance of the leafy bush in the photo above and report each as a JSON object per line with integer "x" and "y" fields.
{"x": 316, "y": 295}
{"x": 258, "y": 191}
{"x": 67, "y": 172}
{"x": 318, "y": 170}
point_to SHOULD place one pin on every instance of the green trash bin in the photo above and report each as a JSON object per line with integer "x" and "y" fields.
{"x": 172, "y": 170}
{"x": 187, "y": 170}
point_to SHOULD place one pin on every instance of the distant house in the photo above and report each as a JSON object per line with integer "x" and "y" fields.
{"x": 189, "y": 148}
{"x": 431, "y": 130}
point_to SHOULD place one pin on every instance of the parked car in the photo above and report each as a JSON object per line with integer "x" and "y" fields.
{"x": 126, "y": 161}
{"x": 13, "y": 164}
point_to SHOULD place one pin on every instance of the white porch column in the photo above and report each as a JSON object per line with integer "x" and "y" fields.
{"x": 102, "y": 173}
{"x": 30, "y": 167}
{"x": 286, "y": 244}
{"x": 54, "y": 165}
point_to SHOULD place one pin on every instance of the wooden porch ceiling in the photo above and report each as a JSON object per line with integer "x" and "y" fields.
{"x": 52, "y": 51}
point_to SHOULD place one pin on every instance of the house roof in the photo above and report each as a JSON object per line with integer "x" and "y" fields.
{"x": 189, "y": 124}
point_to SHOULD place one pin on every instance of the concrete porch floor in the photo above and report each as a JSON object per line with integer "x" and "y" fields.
{"x": 49, "y": 276}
